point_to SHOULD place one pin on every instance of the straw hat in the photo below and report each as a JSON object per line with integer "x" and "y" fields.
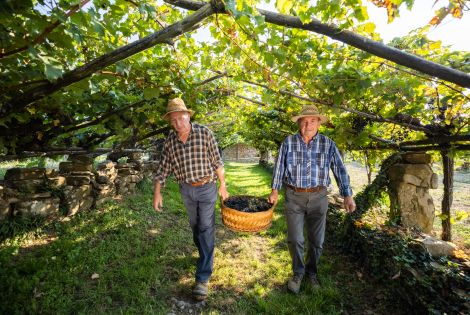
{"x": 176, "y": 105}
{"x": 309, "y": 111}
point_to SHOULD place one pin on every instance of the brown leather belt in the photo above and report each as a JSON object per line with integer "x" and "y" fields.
{"x": 312, "y": 189}
{"x": 201, "y": 182}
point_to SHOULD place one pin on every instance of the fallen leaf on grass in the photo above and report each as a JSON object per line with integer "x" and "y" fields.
{"x": 95, "y": 276}
{"x": 37, "y": 293}
{"x": 460, "y": 254}
{"x": 397, "y": 275}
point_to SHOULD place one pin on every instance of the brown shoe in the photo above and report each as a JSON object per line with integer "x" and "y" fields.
{"x": 314, "y": 282}
{"x": 294, "y": 284}
{"x": 200, "y": 290}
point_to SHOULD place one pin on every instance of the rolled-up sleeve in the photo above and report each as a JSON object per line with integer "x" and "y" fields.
{"x": 340, "y": 172}
{"x": 164, "y": 167}
{"x": 213, "y": 150}
{"x": 279, "y": 168}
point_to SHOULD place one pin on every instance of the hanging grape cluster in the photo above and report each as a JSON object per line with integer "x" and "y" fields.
{"x": 359, "y": 123}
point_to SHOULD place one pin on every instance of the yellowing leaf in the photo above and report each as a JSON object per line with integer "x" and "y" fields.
{"x": 40, "y": 135}
{"x": 359, "y": 224}
{"x": 392, "y": 10}
{"x": 448, "y": 119}
{"x": 428, "y": 91}
{"x": 283, "y": 6}
{"x": 440, "y": 15}
{"x": 456, "y": 12}
{"x": 56, "y": 122}
{"x": 434, "y": 21}
{"x": 369, "y": 27}
{"x": 435, "y": 45}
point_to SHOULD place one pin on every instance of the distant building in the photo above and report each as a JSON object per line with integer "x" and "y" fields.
{"x": 240, "y": 152}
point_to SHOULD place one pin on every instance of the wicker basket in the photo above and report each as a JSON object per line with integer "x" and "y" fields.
{"x": 240, "y": 221}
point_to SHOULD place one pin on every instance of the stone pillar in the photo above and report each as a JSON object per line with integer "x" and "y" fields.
{"x": 409, "y": 187}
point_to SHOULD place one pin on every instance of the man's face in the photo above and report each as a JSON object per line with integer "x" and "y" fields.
{"x": 180, "y": 121}
{"x": 309, "y": 125}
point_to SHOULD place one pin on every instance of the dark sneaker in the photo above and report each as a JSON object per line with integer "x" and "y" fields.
{"x": 200, "y": 290}
{"x": 294, "y": 284}
{"x": 314, "y": 282}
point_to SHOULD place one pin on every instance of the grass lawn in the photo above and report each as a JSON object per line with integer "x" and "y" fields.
{"x": 124, "y": 258}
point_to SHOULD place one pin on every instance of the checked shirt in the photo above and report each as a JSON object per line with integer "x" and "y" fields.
{"x": 192, "y": 161}
{"x": 307, "y": 166}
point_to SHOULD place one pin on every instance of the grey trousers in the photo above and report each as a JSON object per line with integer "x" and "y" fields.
{"x": 309, "y": 210}
{"x": 200, "y": 206}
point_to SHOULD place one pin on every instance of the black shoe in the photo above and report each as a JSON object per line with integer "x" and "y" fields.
{"x": 314, "y": 282}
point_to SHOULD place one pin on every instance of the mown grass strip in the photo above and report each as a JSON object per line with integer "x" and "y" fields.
{"x": 125, "y": 258}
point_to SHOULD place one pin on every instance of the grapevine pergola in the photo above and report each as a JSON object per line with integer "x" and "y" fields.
{"x": 93, "y": 80}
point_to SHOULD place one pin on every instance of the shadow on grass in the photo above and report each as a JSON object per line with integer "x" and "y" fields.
{"x": 126, "y": 258}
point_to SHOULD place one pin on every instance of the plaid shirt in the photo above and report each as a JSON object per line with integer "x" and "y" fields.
{"x": 306, "y": 166}
{"x": 192, "y": 161}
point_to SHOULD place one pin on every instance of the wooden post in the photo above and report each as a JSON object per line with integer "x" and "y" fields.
{"x": 448, "y": 181}
{"x": 368, "y": 167}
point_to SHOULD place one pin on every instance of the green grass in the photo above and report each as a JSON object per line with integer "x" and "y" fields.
{"x": 144, "y": 259}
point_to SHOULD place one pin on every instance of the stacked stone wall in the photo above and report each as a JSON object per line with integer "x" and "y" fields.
{"x": 76, "y": 186}
{"x": 241, "y": 153}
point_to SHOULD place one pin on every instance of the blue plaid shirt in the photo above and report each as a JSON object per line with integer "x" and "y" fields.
{"x": 305, "y": 166}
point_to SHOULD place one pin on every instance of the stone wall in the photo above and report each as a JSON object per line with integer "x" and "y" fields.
{"x": 240, "y": 153}
{"x": 409, "y": 186}
{"x": 76, "y": 186}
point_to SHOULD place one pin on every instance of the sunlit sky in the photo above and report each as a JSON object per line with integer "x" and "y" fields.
{"x": 452, "y": 31}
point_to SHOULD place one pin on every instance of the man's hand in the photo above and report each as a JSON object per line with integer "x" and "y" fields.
{"x": 158, "y": 202}
{"x": 349, "y": 204}
{"x": 273, "y": 196}
{"x": 157, "y": 197}
{"x": 223, "y": 193}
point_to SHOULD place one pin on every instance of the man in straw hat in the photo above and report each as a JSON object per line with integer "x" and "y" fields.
{"x": 303, "y": 165}
{"x": 190, "y": 152}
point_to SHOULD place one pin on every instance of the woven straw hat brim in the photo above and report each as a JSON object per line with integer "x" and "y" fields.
{"x": 323, "y": 118}
{"x": 165, "y": 117}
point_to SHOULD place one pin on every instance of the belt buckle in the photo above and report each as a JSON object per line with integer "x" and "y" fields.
{"x": 201, "y": 182}
{"x": 299, "y": 189}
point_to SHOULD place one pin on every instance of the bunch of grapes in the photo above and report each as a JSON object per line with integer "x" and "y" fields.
{"x": 400, "y": 135}
{"x": 358, "y": 123}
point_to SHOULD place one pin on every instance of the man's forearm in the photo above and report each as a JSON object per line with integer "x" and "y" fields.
{"x": 157, "y": 188}
{"x": 221, "y": 175}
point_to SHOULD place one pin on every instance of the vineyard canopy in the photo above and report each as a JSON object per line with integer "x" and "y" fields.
{"x": 89, "y": 74}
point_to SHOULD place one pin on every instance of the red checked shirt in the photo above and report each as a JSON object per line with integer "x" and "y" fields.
{"x": 192, "y": 161}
